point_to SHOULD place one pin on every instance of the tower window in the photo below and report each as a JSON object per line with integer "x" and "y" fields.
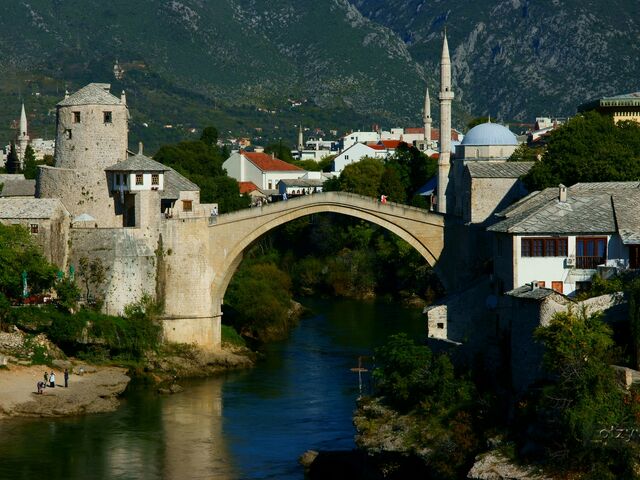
{"x": 187, "y": 205}
{"x": 76, "y": 117}
{"x": 33, "y": 228}
{"x": 139, "y": 179}
{"x": 155, "y": 179}
{"x": 107, "y": 117}
{"x": 68, "y": 133}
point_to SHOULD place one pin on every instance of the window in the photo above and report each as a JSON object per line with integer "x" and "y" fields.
{"x": 634, "y": 256}
{"x": 125, "y": 179}
{"x": 541, "y": 284}
{"x": 187, "y": 205}
{"x": 139, "y": 180}
{"x": 118, "y": 179}
{"x": 33, "y": 228}
{"x": 68, "y": 133}
{"x": 590, "y": 252}
{"x": 155, "y": 179}
{"x": 76, "y": 117}
{"x": 544, "y": 247}
{"x": 557, "y": 286}
{"x": 107, "y": 117}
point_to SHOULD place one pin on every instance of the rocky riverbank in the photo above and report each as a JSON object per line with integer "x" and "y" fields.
{"x": 91, "y": 390}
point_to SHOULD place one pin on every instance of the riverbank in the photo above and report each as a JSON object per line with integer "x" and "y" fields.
{"x": 94, "y": 391}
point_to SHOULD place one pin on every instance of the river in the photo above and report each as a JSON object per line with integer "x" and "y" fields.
{"x": 241, "y": 425}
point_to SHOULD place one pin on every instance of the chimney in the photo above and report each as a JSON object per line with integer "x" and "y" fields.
{"x": 562, "y": 193}
{"x": 123, "y": 98}
{"x": 273, "y": 155}
{"x": 66, "y": 94}
{"x": 534, "y": 286}
{"x": 140, "y": 148}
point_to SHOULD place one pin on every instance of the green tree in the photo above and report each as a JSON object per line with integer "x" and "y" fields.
{"x": 633, "y": 296}
{"x": 588, "y": 148}
{"x": 281, "y": 150}
{"x": 209, "y": 136}
{"x": 525, "y": 153}
{"x": 477, "y": 121}
{"x": 93, "y": 275}
{"x": 583, "y": 397}
{"x": 12, "y": 164}
{"x": 30, "y": 165}
{"x": 363, "y": 178}
{"x": 18, "y": 253}
{"x": 68, "y": 293}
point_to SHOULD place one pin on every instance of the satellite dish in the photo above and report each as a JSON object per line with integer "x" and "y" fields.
{"x": 491, "y": 302}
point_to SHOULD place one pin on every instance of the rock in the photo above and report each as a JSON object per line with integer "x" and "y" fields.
{"x": 4, "y": 360}
{"x": 175, "y": 388}
{"x": 307, "y": 458}
{"x": 62, "y": 364}
{"x": 164, "y": 391}
{"x": 494, "y": 466}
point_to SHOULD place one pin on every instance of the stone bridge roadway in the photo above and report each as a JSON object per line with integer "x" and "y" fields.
{"x": 205, "y": 256}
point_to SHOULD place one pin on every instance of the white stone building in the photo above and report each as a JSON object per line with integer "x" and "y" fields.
{"x": 560, "y": 237}
{"x": 264, "y": 170}
{"x": 357, "y": 152}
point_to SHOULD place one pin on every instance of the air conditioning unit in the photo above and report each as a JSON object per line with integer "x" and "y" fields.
{"x": 571, "y": 261}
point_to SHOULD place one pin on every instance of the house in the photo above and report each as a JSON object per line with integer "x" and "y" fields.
{"x": 15, "y": 185}
{"x": 264, "y": 170}
{"x": 253, "y": 191}
{"x": 560, "y": 237}
{"x": 46, "y": 219}
{"x": 357, "y": 152}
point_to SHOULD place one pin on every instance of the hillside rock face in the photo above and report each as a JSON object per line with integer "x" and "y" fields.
{"x": 350, "y": 61}
{"x": 515, "y": 59}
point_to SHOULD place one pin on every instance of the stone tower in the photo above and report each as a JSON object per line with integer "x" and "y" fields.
{"x": 427, "y": 120}
{"x": 446, "y": 97}
{"x": 91, "y": 135}
{"x": 23, "y": 137}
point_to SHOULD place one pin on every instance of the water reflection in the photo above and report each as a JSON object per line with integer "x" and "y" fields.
{"x": 245, "y": 425}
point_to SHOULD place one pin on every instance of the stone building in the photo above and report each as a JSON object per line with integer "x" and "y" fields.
{"x": 91, "y": 135}
{"x": 619, "y": 107}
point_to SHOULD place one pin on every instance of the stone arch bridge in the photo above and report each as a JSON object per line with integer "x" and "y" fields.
{"x": 200, "y": 264}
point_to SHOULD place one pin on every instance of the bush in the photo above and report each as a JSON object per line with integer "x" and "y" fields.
{"x": 232, "y": 337}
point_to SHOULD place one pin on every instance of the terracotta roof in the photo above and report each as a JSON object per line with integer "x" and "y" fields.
{"x": 266, "y": 162}
{"x": 416, "y": 130}
{"x": 435, "y": 134}
{"x": 391, "y": 143}
{"x": 247, "y": 187}
{"x": 376, "y": 147}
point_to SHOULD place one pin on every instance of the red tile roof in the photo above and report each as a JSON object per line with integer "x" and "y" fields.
{"x": 435, "y": 134}
{"x": 376, "y": 147}
{"x": 266, "y": 162}
{"x": 391, "y": 143}
{"x": 247, "y": 187}
{"x": 416, "y": 130}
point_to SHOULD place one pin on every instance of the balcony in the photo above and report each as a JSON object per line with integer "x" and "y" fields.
{"x": 590, "y": 263}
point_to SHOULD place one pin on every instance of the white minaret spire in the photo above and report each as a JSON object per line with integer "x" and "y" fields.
{"x": 300, "y": 139}
{"x": 445, "y": 96}
{"x": 427, "y": 120}
{"x": 23, "y": 137}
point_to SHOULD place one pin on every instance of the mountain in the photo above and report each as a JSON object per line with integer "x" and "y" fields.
{"x": 258, "y": 68}
{"x": 234, "y": 62}
{"x": 515, "y": 59}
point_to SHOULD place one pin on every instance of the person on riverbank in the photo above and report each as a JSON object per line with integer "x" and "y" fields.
{"x": 66, "y": 378}
{"x": 40, "y": 386}
{"x": 52, "y": 380}
{"x": 46, "y": 378}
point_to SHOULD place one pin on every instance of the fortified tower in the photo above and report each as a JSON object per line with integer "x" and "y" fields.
{"x": 91, "y": 135}
{"x": 427, "y": 120}
{"x": 446, "y": 97}
{"x": 23, "y": 138}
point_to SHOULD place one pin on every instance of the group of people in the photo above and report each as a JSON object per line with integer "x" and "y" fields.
{"x": 50, "y": 380}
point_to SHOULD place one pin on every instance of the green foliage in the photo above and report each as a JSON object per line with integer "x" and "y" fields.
{"x": 280, "y": 150}
{"x": 582, "y": 397}
{"x": 93, "y": 274}
{"x": 525, "y": 153}
{"x": 12, "y": 164}
{"x": 477, "y": 121}
{"x": 633, "y": 297}
{"x": 363, "y": 178}
{"x": 5, "y": 311}
{"x": 231, "y": 337}
{"x": 209, "y": 136}
{"x": 68, "y": 294}
{"x": 18, "y": 253}
{"x": 201, "y": 162}
{"x": 588, "y": 148}
{"x": 409, "y": 375}
{"x": 30, "y": 166}
{"x": 260, "y": 294}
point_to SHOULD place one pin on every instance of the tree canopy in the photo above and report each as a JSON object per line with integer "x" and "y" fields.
{"x": 30, "y": 165}
{"x": 201, "y": 162}
{"x": 281, "y": 150}
{"x": 588, "y": 148}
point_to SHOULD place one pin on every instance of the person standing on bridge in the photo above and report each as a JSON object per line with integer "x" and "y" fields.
{"x": 383, "y": 199}
{"x": 284, "y": 196}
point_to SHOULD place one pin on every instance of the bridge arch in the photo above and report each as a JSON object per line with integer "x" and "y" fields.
{"x": 421, "y": 229}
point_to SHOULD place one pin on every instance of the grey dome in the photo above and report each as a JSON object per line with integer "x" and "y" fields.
{"x": 489, "y": 134}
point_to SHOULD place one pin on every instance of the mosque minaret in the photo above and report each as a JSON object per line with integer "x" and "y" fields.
{"x": 427, "y": 120}
{"x": 445, "y": 96}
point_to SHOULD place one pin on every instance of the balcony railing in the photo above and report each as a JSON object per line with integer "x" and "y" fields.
{"x": 590, "y": 263}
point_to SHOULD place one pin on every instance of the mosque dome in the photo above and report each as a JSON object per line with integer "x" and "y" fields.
{"x": 489, "y": 134}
